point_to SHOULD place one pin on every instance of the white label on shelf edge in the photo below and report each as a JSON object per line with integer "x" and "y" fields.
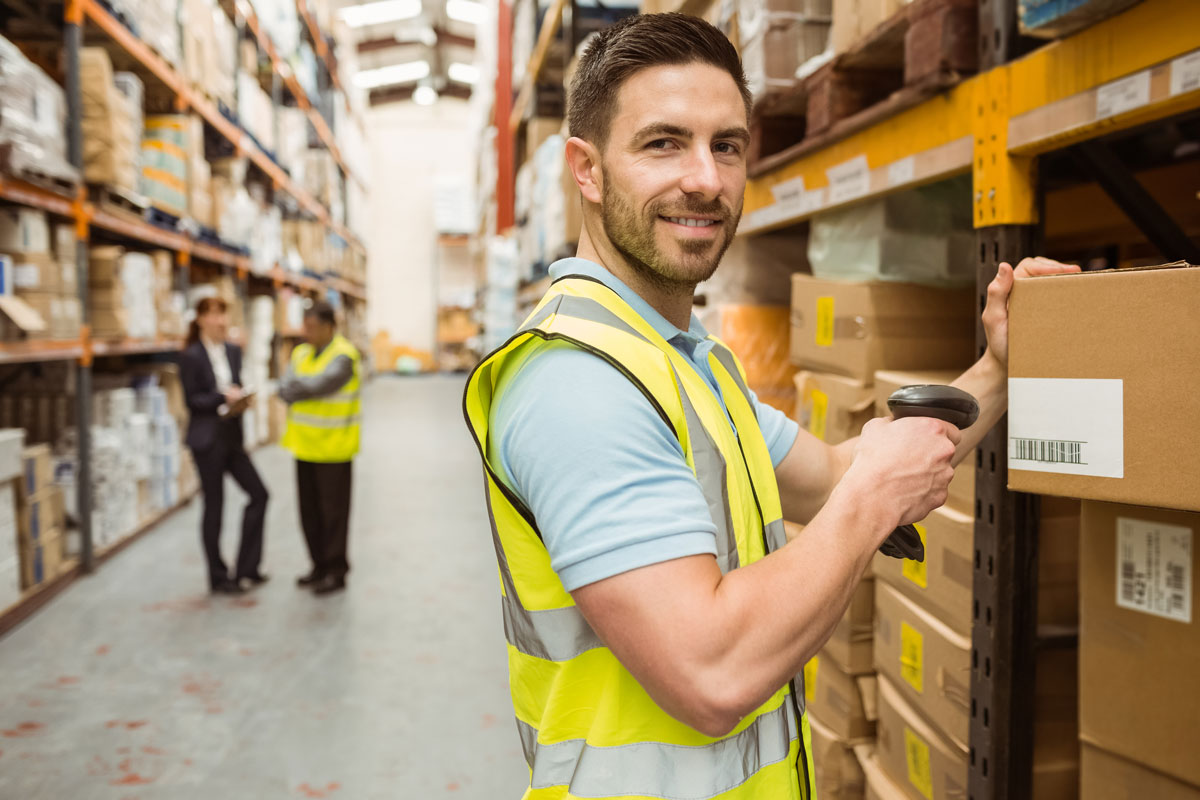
{"x": 849, "y": 180}
{"x": 902, "y": 171}
{"x": 1069, "y": 426}
{"x": 788, "y": 190}
{"x": 1154, "y": 568}
{"x": 1185, "y": 73}
{"x": 1123, "y": 95}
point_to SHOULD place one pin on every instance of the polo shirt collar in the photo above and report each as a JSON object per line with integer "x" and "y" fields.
{"x": 696, "y": 332}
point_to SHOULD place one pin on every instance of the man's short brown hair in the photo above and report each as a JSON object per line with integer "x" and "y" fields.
{"x": 633, "y": 44}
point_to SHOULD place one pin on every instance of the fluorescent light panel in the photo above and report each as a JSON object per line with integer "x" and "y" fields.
{"x": 425, "y": 96}
{"x": 392, "y": 74}
{"x": 463, "y": 73}
{"x": 466, "y": 11}
{"x": 381, "y": 11}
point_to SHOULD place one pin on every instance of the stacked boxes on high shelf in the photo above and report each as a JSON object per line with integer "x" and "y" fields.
{"x": 33, "y": 113}
{"x": 39, "y": 260}
{"x": 777, "y": 37}
{"x": 112, "y": 123}
{"x": 1133, "y": 457}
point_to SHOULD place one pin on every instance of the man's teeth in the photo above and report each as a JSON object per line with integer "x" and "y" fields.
{"x": 692, "y": 223}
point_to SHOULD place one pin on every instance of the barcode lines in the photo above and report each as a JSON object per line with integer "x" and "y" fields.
{"x": 1048, "y": 451}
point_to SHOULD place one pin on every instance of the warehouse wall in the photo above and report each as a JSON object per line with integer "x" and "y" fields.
{"x": 409, "y": 146}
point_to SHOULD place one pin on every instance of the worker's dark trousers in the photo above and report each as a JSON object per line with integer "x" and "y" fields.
{"x": 325, "y": 514}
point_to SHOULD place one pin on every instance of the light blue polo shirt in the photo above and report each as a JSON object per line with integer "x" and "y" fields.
{"x": 602, "y": 473}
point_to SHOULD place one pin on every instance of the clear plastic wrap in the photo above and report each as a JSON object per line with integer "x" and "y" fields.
{"x": 32, "y": 119}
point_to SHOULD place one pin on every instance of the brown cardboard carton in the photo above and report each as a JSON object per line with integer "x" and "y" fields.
{"x": 538, "y": 130}
{"x": 831, "y": 407}
{"x": 1104, "y": 776}
{"x": 844, "y": 703}
{"x": 1124, "y": 345}
{"x": 41, "y": 560}
{"x": 1139, "y": 638}
{"x": 856, "y": 328}
{"x": 38, "y": 272}
{"x": 837, "y": 771}
{"x": 852, "y": 642}
{"x": 944, "y": 583}
{"x": 38, "y": 468}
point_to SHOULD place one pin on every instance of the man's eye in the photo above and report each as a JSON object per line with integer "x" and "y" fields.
{"x": 727, "y": 148}
{"x": 660, "y": 144}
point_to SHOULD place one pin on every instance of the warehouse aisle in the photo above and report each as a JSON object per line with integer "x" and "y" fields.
{"x": 135, "y": 683}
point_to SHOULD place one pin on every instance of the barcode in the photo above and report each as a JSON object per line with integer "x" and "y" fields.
{"x": 1049, "y": 451}
{"x": 1176, "y": 601}
{"x": 1128, "y": 573}
{"x": 1175, "y": 577}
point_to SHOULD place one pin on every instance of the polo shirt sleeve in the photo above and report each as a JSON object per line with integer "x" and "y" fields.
{"x": 603, "y": 475}
{"x": 777, "y": 428}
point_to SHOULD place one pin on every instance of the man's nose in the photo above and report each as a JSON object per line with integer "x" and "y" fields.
{"x": 701, "y": 175}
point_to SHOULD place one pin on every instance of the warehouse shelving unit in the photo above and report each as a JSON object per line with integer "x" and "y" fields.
{"x": 1136, "y": 69}
{"x": 90, "y": 16}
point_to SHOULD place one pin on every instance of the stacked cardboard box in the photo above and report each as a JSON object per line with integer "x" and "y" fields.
{"x": 855, "y": 19}
{"x": 157, "y": 25}
{"x": 111, "y": 134}
{"x": 209, "y": 49}
{"x": 166, "y": 153}
{"x": 255, "y": 111}
{"x": 121, "y": 293}
{"x": 41, "y": 515}
{"x": 32, "y": 118}
{"x": 169, "y": 304}
{"x": 777, "y": 37}
{"x": 41, "y": 275}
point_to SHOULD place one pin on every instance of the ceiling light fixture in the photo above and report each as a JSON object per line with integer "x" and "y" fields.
{"x": 379, "y": 12}
{"x": 395, "y": 73}
{"x": 463, "y": 73}
{"x": 425, "y": 95}
{"x": 466, "y": 11}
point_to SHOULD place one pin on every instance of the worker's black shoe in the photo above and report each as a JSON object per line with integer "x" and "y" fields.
{"x": 227, "y": 586}
{"x": 309, "y": 579}
{"x": 329, "y": 584}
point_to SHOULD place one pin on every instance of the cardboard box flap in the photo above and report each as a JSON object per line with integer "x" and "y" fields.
{"x": 881, "y": 784}
{"x": 823, "y": 730}
{"x": 23, "y": 315}
{"x": 868, "y": 687}
{"x": 935, "y": 738}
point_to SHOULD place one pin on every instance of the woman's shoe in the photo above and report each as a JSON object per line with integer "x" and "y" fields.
{"x": 228, "y": 586}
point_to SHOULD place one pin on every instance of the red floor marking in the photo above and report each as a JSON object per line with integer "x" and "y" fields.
{"x": 136, "y": 724}
{"x": 23, "y": 730}
{"x": 488, "y": 720}
{"x": 246, "y": 602}
{"x": 132, "y": 779}
{"x": 452, "y": 786}
{"x": 67, "y": 680}
{"x": 246, "y": 651}
{"x": 152, "y": 751}
{"x": 102, "y": 650}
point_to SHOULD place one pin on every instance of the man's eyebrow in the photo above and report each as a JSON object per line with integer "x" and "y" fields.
{"x": 734, "y": 133}
{"x": 663, "y": 129}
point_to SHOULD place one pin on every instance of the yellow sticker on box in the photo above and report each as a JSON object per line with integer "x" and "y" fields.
{"x": 916, "y": 754}
{"x": 820, "y": 410}
{"x": 825, "y": 322}
{"x": 916, "y": 571}
{"x": 912, "y": 657}
{"x": 810, "y": 678}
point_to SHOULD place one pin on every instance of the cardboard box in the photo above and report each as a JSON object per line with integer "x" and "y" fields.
{"x": 944, "y": 583}
{"x": 42, "y": 560}
{"x": 24, "y": 230}
{"x": 854, "y": 329}
{"x": 837, "y": 771}
{"x": 1139, "y": 637}
{"x": 831, "y": 407}
{"x": 918, "y": 762}
{"x": 40, "y": 272}
{"x": 37, "y": 468}
{"x": 1104, "y": 776}
{"x": 37, "y": 515}
{"x": 852, "y": 643}
{"x": 845, "y": 704}
{"x": 1135, "y": 373}
{"x": 538, "y": 130}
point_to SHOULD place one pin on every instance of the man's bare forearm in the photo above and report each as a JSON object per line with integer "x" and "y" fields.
{"x": 987, "y": 381}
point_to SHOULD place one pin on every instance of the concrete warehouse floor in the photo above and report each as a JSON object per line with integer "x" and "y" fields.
{"x": 135, "y": 683}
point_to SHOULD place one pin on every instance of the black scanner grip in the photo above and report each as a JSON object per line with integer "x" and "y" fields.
{"x": 940, "y": 402}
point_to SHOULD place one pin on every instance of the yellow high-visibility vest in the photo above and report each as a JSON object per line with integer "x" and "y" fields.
{"x": 325, "y": 430}
{"x": 587, "y": 726}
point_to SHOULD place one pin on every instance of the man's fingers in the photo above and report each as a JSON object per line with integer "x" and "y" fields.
{"x": 1030, "y": 267}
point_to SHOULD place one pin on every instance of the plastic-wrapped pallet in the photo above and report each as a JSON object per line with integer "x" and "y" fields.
{"x": 122, "y": 293}
{"x": 500, "y": 297}
{"x": 777, "y": 37}
{"x": 255, "y": 111}
{"x": 923, "y": 236}
{"x": 32, "y": 118}
{"x": 166, "y": 148}
{"x": 155, "y": 23}
{"x": 279, "y": 19}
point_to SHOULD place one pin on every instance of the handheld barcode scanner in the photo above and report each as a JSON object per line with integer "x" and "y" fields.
{"x": 940, "y": 402}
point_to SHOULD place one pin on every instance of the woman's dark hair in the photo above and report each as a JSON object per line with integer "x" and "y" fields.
{"x": 206, "y": 306}
{"x": 636, "y": 43}
{"x": 322, "y": 312}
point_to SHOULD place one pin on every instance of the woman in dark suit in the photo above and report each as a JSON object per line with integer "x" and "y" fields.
{"x": 210, "y": 369}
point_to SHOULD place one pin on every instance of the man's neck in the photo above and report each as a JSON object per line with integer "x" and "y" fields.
{"x": 673, "y": 302}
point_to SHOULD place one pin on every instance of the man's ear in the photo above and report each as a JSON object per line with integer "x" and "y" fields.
{"x": 583, "y": 159}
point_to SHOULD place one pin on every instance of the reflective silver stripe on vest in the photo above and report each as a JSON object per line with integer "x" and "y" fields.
{"x": 711, "y": 473}
{"x": 312, "y": 420}
{"x": 776, "y": 535}
{"x": 730, "y": 364}
{"x": 557, "y": 634}
{"x": 653, "y": 769}
{"x": 340, "y": 397}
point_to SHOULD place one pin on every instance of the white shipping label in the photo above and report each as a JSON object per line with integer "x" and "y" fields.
{"x": 27, "y": 276}
{"x": 1154, "y": 568}
{"x": 1185, "y": 73}
{"x": 849, "y": 180}
{"x": 1123, "y": 95}
{"x": 1071, "y": 426}
{"x": 901, "y": 172}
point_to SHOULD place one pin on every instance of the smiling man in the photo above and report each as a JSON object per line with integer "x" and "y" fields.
{"x": 656, "y": 616}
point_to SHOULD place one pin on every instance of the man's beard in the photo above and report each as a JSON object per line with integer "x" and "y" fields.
{"x": 633, "y": 237}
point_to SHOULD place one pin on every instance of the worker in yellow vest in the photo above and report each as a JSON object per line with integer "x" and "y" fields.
{"x": 657, "y": 618}
{"x": 321, "y": 388}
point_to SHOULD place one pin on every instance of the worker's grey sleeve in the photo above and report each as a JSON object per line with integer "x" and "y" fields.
{"x": 293, "y": 387}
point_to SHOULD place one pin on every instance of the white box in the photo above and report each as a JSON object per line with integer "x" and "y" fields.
{"x": 12, "y": 444}
{"x": 10, "y": 583}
